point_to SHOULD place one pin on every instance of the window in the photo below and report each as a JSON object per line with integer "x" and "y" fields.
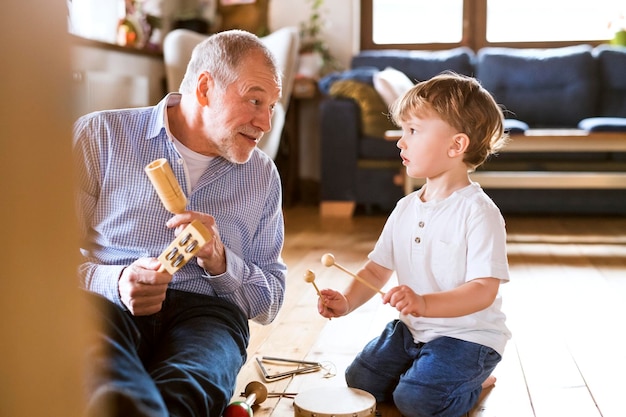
{"x": 550, "y": 20}
{"x": 401, "y": 21}
{"x": 440, "y": 24}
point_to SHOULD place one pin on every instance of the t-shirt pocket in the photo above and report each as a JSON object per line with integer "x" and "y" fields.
{"x": 448, "y": 264}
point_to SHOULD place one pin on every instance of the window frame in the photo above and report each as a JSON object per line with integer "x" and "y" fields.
{"x": 474, "y": 32}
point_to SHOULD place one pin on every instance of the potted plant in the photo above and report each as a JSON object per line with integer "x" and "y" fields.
{"x": 315, "y": 57}
{"x": 619, "y": 30}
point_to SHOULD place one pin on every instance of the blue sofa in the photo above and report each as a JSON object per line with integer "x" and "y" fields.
{"x": 578, "y": 87}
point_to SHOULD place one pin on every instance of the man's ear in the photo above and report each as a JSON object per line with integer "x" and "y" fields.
{"x": 203, "y": 88}
{"x": 458, "y": 145}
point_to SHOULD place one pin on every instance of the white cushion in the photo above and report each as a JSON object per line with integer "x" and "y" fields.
{"x": 284, "y": 44}
{"x": 391, "y": 84}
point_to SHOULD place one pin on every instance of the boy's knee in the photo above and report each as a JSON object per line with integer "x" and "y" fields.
{"x": 358, "y": 376}
{"x": 363, "y": 378}
{"x": 423, "y": 401}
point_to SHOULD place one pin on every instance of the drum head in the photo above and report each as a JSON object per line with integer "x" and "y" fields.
{"x": 334, "y": 402}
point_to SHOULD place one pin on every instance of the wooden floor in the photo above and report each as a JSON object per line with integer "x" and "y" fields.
{"x": 565, "y": 303}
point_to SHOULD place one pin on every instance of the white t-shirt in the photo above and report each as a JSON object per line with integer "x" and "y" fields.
{"x": 195, "y": 163}
{"x": 440, "y": 245}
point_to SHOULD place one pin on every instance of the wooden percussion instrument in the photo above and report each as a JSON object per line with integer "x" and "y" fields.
{"x": 334, "y": 402}
{"x": 255, "y": 394}
{"x": 309, "y": 276}
{"x": 166, "y": 185}
{"x": 184, "y": 247}
{"x": 194, "y": 236}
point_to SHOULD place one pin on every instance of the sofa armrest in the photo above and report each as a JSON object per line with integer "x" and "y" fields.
{"x": 603, "y": 124}
{"x": 340, "y": 130}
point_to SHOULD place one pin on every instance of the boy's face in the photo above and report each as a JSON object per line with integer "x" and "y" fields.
{"x": 425, "y": 146}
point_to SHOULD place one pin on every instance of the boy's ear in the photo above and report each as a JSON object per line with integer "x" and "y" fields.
{"x": 458, "y": 146}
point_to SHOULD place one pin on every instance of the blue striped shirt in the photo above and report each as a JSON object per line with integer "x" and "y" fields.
{"x": 123, "y": 219}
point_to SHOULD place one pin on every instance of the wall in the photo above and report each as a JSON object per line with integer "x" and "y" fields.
{"x": 42, "y": 328}
{"x": 342, "y": 32}
{"x": 105, "y": 78}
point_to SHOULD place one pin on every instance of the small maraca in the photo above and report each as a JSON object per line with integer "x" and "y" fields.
{"x": 255, "y": 393}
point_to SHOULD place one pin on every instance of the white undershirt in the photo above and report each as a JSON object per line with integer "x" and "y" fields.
{"x": 194, "y": 163}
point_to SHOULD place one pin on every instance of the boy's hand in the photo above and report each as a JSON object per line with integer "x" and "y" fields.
{"x": 406, "y": 301}
{"x": 332, "y": 304}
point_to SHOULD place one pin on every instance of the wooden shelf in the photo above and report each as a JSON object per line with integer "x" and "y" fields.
{"x": 547, "y": 140}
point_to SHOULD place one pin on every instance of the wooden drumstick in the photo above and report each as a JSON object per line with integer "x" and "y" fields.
{"x": 309, "y": 276}
{"x": 329, "y": 260}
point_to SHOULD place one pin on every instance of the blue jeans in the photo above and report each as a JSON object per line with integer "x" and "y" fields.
{"x": 440, "y": 378}
{"x": 181, "y": 361}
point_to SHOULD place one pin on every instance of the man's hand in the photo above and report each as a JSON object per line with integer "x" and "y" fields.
{"x": 142, "y": 288}
{"x": 212, "y": 256}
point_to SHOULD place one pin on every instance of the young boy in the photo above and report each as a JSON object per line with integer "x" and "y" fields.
{"x": 447, "y": 245}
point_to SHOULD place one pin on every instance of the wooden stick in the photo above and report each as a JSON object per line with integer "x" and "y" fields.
{"x": 329, "y": 260}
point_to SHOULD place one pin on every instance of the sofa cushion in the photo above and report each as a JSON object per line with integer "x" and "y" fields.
{"x": 555, "y": 87}
{"x": 612, "y": 67}
{"x": 374, "y": 111}
{"x": 418, "y": 65}
{"x": 513, "y": 126}
{"x": 603, "y": 124}
{"x": 362, "y": 74}
{"x": 391, "y": 84}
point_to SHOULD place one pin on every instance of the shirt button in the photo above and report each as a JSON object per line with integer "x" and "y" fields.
{"x": 180, "y": 161}
{"x": 421, "y": 224}
{"x": 418, "y": 240}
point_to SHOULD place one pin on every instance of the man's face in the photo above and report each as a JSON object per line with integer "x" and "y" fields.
{"x": 237, "y": 116}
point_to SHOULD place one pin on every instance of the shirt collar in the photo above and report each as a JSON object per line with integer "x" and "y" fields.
{"x": 157, "y": 120}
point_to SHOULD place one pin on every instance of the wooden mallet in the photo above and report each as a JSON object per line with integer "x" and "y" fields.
{"x": 329, "y": 260}
{"x": 309, "y": 276}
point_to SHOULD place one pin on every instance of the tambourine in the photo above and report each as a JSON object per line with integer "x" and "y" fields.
{"x": 334, "y": 402}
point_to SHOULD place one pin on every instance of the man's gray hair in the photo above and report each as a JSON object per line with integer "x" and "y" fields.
{"x": 221, "y": 55}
